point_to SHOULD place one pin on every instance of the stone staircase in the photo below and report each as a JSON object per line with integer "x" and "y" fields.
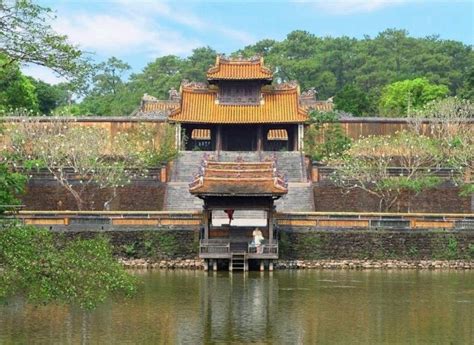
{"x": 291, "y": 164}
{"x": 300, "y": 198}
{"x": 178, "y": 198}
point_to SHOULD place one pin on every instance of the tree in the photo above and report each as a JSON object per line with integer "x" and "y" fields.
{"x": 11, "y": 185}
{"x": 108, "y": 92}
{"x": 353, "y": 100}
{"x": 324, "y": 138}
{"x": 447, "y": 120}
{"x": 49, "y": 96}
{"x": 87, "y": 159}
{"x": 78, "y": 272}
{"x": 403, "y": 97}
{"x": 16, "y": 90}
{"x": 74, "y": 155}
{"x": 368, "y": 164}
{"x": 27, "y": 37}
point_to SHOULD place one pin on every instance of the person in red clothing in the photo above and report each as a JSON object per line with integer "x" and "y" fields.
{"x": 230, "y": 214}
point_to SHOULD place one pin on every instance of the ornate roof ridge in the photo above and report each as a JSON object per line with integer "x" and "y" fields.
{"x": 262, "y": 72}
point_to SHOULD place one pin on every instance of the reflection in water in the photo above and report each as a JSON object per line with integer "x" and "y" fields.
{"x": 283, "y": 307}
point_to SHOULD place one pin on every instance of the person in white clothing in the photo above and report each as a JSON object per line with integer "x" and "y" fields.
{"x": 258, "y": 240}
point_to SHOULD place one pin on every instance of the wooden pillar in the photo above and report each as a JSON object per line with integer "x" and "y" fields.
{"x": 259, "y": 139}
{"x": 206, "y": 264}
{"x": 214, "y": 265}
{"x": 315, "y": 173}
{"x": 270, "y": 225}
{"x": 262, "y": 265}
{"x": 178, "y": 137}
{"x": 206, "y": 224}
{"x": 219, "y": 138}
{"x": 300, "y": 137}
{"x": 295, "y": 138}
{"x": 270, "y": 265}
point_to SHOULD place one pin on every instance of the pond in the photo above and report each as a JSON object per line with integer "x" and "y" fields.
{"x": 281, "y": 307}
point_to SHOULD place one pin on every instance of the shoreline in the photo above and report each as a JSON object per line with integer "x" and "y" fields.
{"x": 341, "y": 264}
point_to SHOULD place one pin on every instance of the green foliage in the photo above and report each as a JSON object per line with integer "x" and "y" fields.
{"x": 83, "y": 272}
{"x": 27, "y": 37}
{"x": 130, "y": 249}
{"x": 16, "y": 90}
{"x": 471, "y": 250}
{"x": 402, "y": 97}
{"x": 11, "y": 185}
{"x": 310, "y": 246}
{"x": 413, "y": 252}
{"x": 324, "y": 138}
{"x": 353, "y": 100}
{"x": 452, "y": 248}
{"x": 49, "y": 96}
{"x": 467, "y": 189}
{"x": 415, "y": 184}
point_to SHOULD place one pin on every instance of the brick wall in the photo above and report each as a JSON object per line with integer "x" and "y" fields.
{"x": 44, "y": 194}
{"x": 443, "y": 199}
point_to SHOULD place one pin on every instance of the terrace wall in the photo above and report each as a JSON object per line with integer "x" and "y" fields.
{"x": 163, "y": 243}
{"x": 443, "y": 199}
{"x": 145, "y": 195}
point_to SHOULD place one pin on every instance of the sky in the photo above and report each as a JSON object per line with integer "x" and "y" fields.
{"x": 140, "y": 31}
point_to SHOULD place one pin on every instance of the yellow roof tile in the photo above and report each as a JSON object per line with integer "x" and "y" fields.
{"x": 201, "y": 106}
{"x": 149, "y": 106}
{"x": 201, "y": 134}
{"x": 239, "y": 69}
{"x": 277, "y": 134}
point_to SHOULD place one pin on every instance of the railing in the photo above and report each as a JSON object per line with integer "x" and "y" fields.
{"x": 264, "y": 249}
{"x": 214, "y": 246}
{"x": 107, "y": 219}
{"x": 183, "y": 219}
{"x": 325, "y": 172}
{"x": 376, "y": 221}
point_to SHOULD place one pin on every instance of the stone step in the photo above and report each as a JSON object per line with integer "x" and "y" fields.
{"x": 300, "y": 198}
{"x": 291, "y": 164}
{"x": 178, "y": 198}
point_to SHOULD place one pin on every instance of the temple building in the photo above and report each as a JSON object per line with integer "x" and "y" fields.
{"x": 241, "y": 142}
{"x": 238, "y": 109}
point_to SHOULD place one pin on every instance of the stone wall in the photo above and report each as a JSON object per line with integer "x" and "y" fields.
{"x": 153, "y": 244}
{"x": 380, "y": 245}
{"x": 146, "y": 195}
{"x": 167, "y": 243}
{"x": 444, "y": 199}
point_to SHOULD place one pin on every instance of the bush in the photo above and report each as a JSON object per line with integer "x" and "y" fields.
{"x": 83, "y": 272}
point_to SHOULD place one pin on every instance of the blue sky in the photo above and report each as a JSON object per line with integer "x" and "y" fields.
{"x": 139, "y": 31}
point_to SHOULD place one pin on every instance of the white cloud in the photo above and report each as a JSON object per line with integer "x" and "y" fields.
{"x": 346, "y": 7}
{"x": 140, "y": 26}
{"x": 42, "y": 73}
{"x": 114, "y": 34}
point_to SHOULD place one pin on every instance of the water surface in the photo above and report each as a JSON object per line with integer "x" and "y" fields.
{"x": 283, "y": 307}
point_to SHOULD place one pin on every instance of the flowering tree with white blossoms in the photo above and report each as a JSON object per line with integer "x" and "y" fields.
{"x": 73, "y": 154}
{"x": 86, "y": 158}
{"x": 368, "y": 166}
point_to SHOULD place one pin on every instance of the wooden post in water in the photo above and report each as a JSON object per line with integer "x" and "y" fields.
{"x": 214, "y": 265}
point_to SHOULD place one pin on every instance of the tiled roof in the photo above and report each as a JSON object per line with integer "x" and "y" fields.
{"x": 201, "y": 134}
{"x": 277, "y": 106}
{"x": 238, "y": 179}
{"x": 323, "y": 106}
{"x": 150, "y": 106}
{"x": 277, "y": 134}
{"x": 239, "y": 69}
